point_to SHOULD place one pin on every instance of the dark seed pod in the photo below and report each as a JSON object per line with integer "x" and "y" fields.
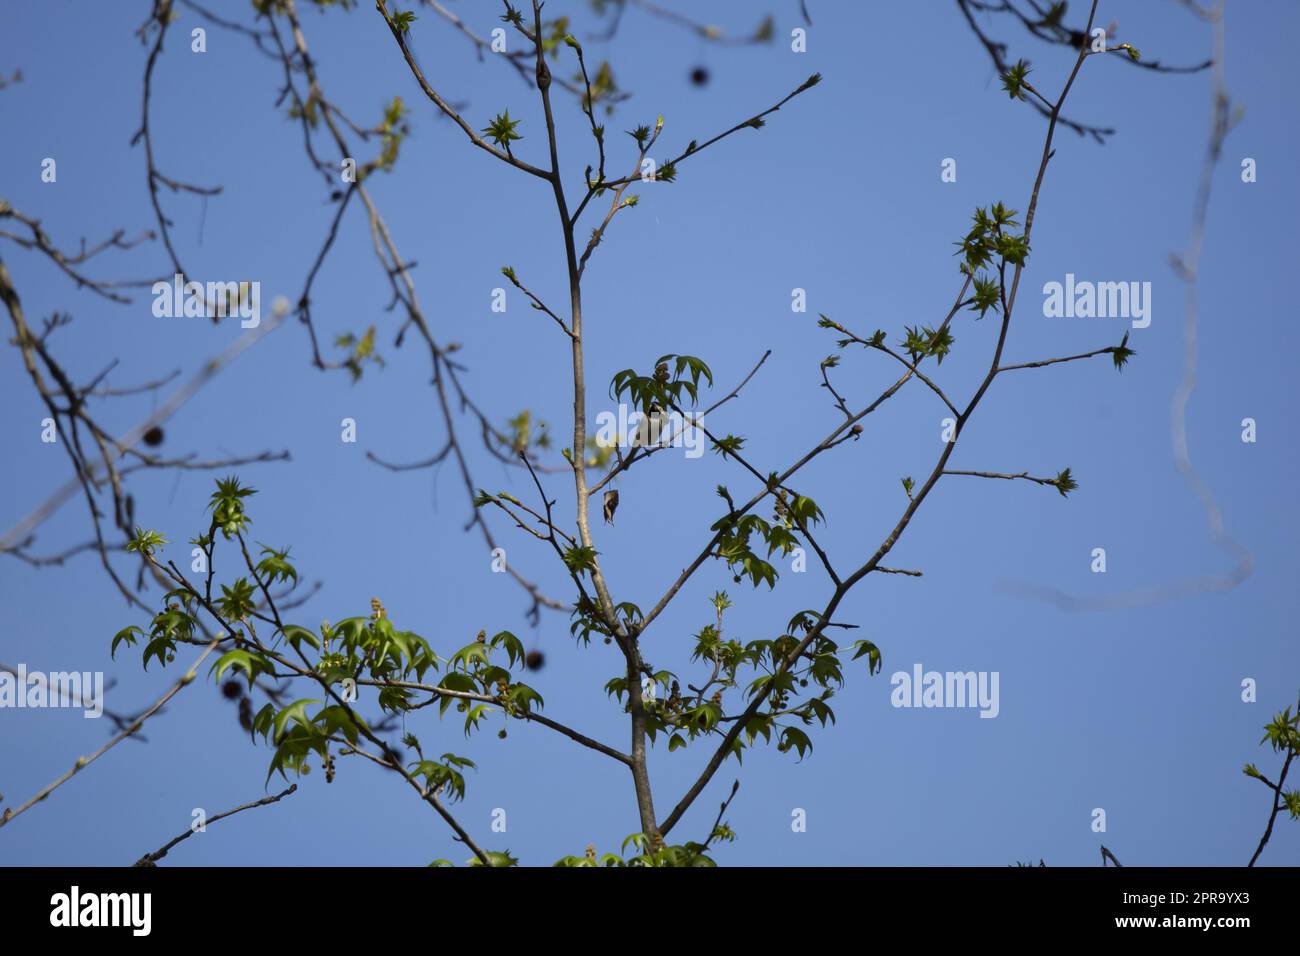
{"x": 535, "y": 660}
{"x": 700, "y": 76}
{"x": 153, "y": 437}
{"x": 231, "y": 690}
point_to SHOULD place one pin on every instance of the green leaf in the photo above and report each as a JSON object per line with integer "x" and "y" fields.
{"x": 336, "y": 720}
{"x": 1013, "y": 81}
{"x": 524, "y": 697}
{"x": 162, "y": 648}
{"x": 241, "y": 660}
{"x": 227, "y": 506}
{"x": 580, "y": 559}
{"x": 1014, "y": 249}
{"x": 805, "y": 510}
{"x": 127, "y": 634}
{"x": 237, "y": 600}
{"x": 1290, "y": 797}
{"x": 728, "y": 444}
{"x": 637, "y": 840}
{"x": 1064, "y": 483}
{"x": 987, "y": 295}
{"x": 874, "y": 660}
{"x": 514, "y": 647}
{"x": 470, "y": 652}
{"x": 295, "y": 712}
{"x": 1122, "y": 353}
{"x": 475, "y": 714}
{"x": 495, "y": 858}
{"x": 503, "y": 130}
{"x": 297, "y": 636}
{"x": 264, "y": 720}
{"x": 145, "y": 542}
{"x": 796, "y": 738}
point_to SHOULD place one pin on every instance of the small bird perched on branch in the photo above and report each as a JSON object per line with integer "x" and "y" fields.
{"x": 611, "y": 505}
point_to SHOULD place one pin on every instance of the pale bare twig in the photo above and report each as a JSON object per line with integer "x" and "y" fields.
{"x": 151, "y": 859}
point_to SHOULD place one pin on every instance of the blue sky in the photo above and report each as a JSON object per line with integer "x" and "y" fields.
{"x": 1135, "y": 710}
